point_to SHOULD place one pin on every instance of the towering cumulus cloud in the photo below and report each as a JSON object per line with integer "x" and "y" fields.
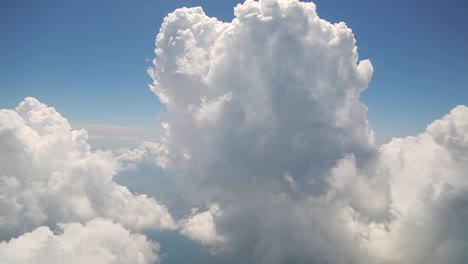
{"x": 264, "y": 122}
{"x": 49, "y": 175}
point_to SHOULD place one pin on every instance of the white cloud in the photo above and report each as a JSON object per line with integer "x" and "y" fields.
{"x": 280, "y": 88}
{"x": 430, "y": 193}
{"x": 98, "y": 241}
{"x": 200, "y": 226}
{"x": 451, "y": 132}
{"x": 48, "y": 174}
{"x": 146, "y": 152}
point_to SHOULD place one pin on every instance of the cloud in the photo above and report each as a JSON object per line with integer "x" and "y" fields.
{"x": 430, "y": 193}
{"x": 200, "y": 226}
{"x": 262, "y": 112}
{"x": 264, "y": 119}
{"x": 151, "y": 152}
{"x": 97, "y": 241}
{"x": 49, "y": 174}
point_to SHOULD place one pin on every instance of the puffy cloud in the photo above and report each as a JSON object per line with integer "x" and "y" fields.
{"x": 430, "y": 193}
{"x": 451, "y": 132}
{"x": 200, "y": 226}
{"x": 98, "y": 241}
{"x": 276, "y": 82}
{"x": 263, "y": 114}
{"x": 48, "y": 174}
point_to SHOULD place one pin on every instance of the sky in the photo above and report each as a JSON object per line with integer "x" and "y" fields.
{"x": 70, "y": 53}
{"x": 264, "y": 132}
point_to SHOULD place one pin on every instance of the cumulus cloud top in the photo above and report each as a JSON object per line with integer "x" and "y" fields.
{"x": 48, "y": 174}
{"x": 276, "y": 80}
{"x": 98, "y": 241}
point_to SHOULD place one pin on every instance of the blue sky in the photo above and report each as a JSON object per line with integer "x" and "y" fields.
{"x": 89, "y": 58}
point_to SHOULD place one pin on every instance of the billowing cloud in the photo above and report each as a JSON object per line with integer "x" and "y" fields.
{"x": 430, "y": 193}
{"x": 262, "y": 113}
{"x": 98, "y": 241}
{"x": 264, "y": 119}
{"x": 48, "y": 174}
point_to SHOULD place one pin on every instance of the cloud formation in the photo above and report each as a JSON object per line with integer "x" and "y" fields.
{"x": 49, "y": 175}
{"x": 264, "y": 120}
{"x": 430, "y": 193}
{"x": 262, "y": 112}
{"x": 98, "y": 241}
